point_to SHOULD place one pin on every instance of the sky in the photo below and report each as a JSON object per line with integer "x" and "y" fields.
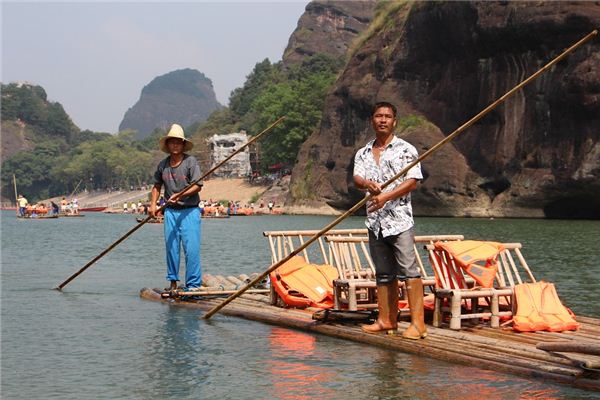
{"x": 94, "y": 58}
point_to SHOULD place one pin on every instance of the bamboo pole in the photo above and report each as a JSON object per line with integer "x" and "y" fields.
{"x": 16, "y": 196}
{"x": 432, "y": 150}
{"x": 74, "y": 190}
{"x": 139, "y": 225}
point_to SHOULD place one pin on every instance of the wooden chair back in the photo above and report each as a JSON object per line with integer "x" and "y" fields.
{"x": 512, "y": 269}
{"x": 282, "y": 243}
{"x": 352, "y": 258}
{"x": 457, "y": 294}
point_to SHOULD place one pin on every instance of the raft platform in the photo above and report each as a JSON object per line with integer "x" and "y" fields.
{"x": 479, "y": 340}
{"x": 502, "y": 350}
{"x": 38, "y": 217}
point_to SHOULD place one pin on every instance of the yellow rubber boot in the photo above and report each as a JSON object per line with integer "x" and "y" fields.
{"x": 387, "y": 302}
{"x": 417, "y": 329}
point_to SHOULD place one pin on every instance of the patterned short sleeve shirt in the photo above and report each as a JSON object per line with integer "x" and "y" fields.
{"x": 396, "y": 215}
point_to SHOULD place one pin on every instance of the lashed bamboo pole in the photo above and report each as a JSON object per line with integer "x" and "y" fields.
{"x": 213, "y": 292}
{"x": 139, "y": 225}
{"x": 432, "y": 150}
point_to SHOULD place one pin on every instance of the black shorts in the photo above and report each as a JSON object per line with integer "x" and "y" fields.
{"x": 394, "y": 257}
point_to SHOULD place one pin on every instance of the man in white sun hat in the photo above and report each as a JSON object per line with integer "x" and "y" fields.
{"x": 181, "y": 214}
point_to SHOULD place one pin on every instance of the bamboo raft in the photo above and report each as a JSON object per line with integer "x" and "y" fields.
{"x": 39, "y": 217}
{"x": 501, "y": 350}
{"x": 570, "y": 357}
{"x": 150, "y": 221}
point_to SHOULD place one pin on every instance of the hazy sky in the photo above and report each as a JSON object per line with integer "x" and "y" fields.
{"x": 95, "y": 57}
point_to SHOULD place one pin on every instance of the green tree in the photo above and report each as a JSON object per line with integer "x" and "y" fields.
{"x": 241, "y": 99}
{"x": 32, "y": 169}
{"x": 301, "y": 102}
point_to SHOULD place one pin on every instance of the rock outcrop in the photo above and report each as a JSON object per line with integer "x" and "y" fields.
{"x": 184, "y": 96}
{"x": 443, "y": 62}
{"x": 328, "y": 27}
{"x": 14, "y": 139}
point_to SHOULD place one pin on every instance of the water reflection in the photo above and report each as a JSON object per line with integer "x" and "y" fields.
{"x": 294, "y": 374}
{"x": 177, "y": 360}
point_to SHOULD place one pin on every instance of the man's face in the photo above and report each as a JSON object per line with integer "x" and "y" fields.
{"x": 175, "y": 145}
{"x": 383, "y": 121}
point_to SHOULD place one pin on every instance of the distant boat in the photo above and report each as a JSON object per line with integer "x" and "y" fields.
{"x": 216, "y": 216}
{"x": 92, "y": 209}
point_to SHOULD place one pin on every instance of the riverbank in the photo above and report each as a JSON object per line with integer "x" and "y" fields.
{"x": 214, "y": 190}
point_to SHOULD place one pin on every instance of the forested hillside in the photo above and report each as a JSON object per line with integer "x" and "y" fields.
{"x": 49, "y": 155}
{"x": 272, "y": 91}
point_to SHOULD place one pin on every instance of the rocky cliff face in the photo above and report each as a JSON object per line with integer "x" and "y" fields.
{"x": 14, "y": 138}
{"x": 328, "y": 27}
{"x": 184, "y": 96}
{"x": 443, "y": 62}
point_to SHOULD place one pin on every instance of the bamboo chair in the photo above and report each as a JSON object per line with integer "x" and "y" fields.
{"x": 356, "y": 287}
{"x": 457, "y": 294}
{"x": 282, "y": 243}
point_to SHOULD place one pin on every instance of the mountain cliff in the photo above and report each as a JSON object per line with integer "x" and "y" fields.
{"x": 441, "y": 63}
{"x": 184, "y": 96}
{"x": 328, "y": 27}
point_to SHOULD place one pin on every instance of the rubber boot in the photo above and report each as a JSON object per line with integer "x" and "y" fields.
{"x": 417, "y": 329}
{"x": 387, "y": 302}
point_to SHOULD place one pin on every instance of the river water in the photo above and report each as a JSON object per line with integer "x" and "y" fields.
{"x": 98, "y": 340}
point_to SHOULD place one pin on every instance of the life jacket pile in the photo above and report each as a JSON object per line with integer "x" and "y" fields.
{"x": 477, "y": 258}
{"x": 300, "y": 284}
{"x": 540, "y": 309}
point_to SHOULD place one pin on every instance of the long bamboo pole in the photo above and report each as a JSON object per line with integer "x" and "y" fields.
{"x": 16, "y": 196}
{"x": 432, "y": 150}
{"x": 74, "y": 190}
{"x": 139, "y": 225}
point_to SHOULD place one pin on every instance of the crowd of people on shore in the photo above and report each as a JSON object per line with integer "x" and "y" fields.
{"x": 210, "y": 207}
{"x": 135, "y": 208}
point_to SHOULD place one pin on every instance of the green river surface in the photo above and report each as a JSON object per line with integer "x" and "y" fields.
{"x": 99, "y": 340}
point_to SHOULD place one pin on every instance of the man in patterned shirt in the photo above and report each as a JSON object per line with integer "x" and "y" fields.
{"x": 390, "y": 221}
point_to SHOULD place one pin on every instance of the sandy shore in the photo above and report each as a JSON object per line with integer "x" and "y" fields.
{"x": 231, "y": 189}
{"x": 242, "y": 191}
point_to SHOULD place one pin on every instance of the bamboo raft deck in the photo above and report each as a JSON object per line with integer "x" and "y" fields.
{"x": 474, "y": 342}
{"x": 54, "y": 216}
{"x": 501, "y": 350}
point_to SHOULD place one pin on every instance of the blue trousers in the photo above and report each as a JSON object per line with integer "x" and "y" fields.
{"x": 182, "y": 227}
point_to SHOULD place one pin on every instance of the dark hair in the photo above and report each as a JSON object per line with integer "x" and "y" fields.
{"x": 381, "y": 104}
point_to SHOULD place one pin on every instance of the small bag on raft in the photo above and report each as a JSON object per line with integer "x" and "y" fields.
{"x": 540, "y": 309}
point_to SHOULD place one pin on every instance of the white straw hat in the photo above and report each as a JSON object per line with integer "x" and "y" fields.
{"x": 176, "y": 131}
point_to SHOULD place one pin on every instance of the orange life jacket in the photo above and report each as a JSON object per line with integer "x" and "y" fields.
{"x": 477, "y": 258}
{"x": 540, "y": 309}
{"x": 300, "y": 284}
